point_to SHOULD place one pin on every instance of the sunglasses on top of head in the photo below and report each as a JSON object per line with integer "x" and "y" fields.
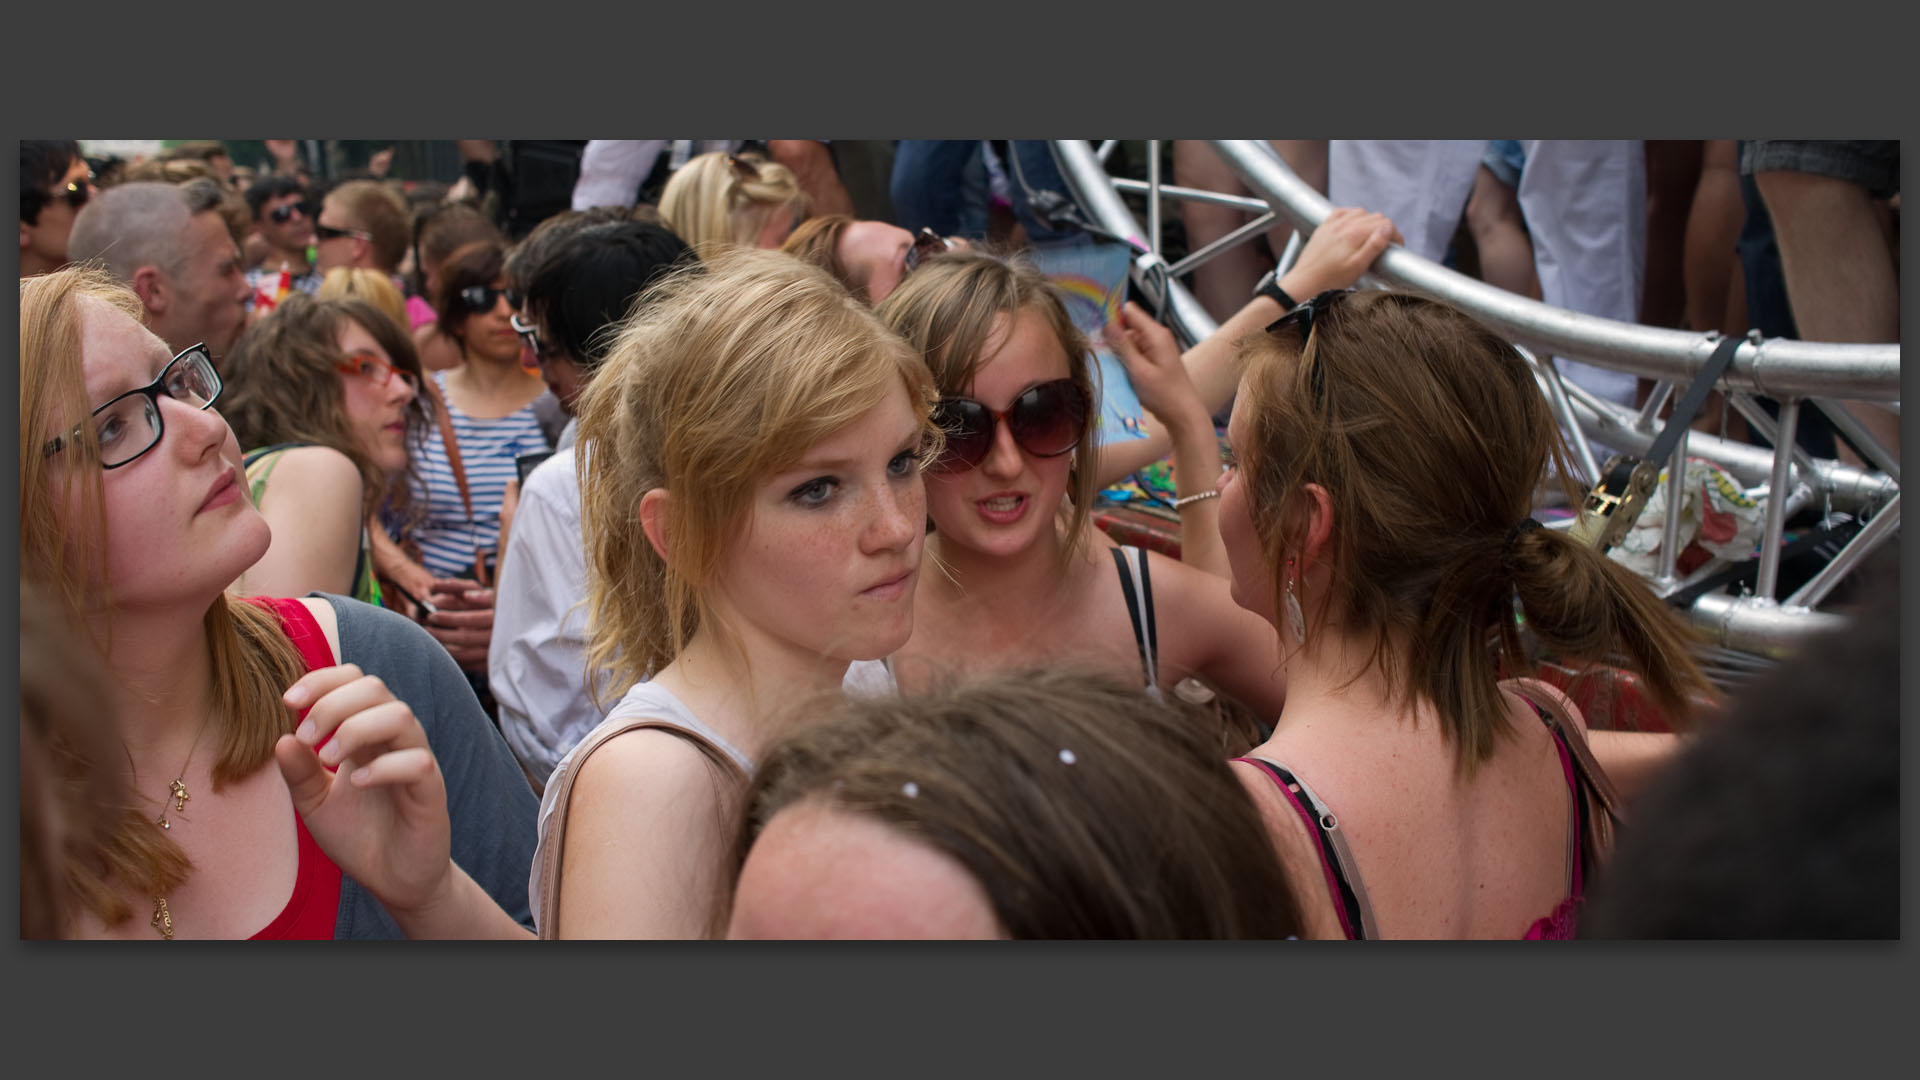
{"x": 925, "y": 245}
{"x": 1046, "y": 421}
{"x": 480, "y": 299}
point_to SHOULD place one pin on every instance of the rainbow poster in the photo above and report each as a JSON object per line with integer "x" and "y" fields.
{"x": 1092, "y": 278}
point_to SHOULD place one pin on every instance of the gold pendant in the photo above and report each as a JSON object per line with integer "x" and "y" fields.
{"x": 180, "y": 795}
{"x": 162, "y": 918}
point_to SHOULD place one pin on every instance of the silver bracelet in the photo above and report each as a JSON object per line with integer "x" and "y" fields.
{"x": 1184, "y": 501}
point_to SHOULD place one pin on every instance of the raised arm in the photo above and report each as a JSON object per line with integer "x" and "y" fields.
{"x": 1340, "y": 250}
{"x": 1152, "y": 359}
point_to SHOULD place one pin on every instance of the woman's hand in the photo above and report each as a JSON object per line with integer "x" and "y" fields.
{"x": 382, "y": 817}
{"x": 1339, "y": 251}
{"x": 1152, "y": 359}
{"x": 464, "y": 621}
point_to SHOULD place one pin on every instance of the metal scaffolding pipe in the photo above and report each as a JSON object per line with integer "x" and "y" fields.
{"x": 1186, "y": 194}
{"x": 1751, "y": 624}
{"x": 1776, "y": 368}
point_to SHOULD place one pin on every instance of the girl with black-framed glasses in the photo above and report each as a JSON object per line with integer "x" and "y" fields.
{"x": 299, "y": 768}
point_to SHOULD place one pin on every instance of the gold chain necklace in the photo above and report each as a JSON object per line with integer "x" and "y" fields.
{"x": 162, "y": 921}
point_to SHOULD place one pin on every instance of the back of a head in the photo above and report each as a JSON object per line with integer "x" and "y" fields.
{"x": 1784, "y": 820}
{"x": 817, "y": 242}
{"x": 140, "y": 223}
{"x": 586, "y": 286}
{"x": 372, "y": 286}
{"x": 726, "y": 372}
{"x": 721, "y": 200}
{"x": 533, "y": 249}
{"x": 375, "y": 207}
{"x": 1430, "y": 437}
{"x": 1083, "y": 808}
{"x": 71, "y": 790}
{"x": 446, "y": 229}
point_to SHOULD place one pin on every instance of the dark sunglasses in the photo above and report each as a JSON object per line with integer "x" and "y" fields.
{"x": 280, "y": 215}
{"x": 328, "y": 232}
{"x": 77, "y": 192}
{"x": 1045, "y": 420}
{"x": 1303, "y": 318}
{"x": 480, "y": 298}
{"x": 925, "y": 246}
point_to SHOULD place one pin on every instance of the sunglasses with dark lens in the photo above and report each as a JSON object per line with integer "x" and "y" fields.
{"x": 280, "y": 215}
{"x": 380, "y": 371}
{"x": 328, "y": 232}
{"x": 131, "y": 424}
{"x": 1302, "y": 318}
{"x": 926, "y": 245}
{"x": 1045, "y": 420}
{"x": 480, "y": 298}
{"x": 76, "y": 192}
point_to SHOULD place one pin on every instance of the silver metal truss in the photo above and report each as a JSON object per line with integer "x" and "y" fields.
{"x": 1793, "y": 372}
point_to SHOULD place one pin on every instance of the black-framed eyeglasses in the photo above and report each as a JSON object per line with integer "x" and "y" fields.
{"x": 925, "y": 245}
{"x": 328, "y": 232}
{"x": 280, "y": 215}
{"x": 1303, "y": 317}
{"x": 481, "y": 298}
{"x": 131, "y": 424}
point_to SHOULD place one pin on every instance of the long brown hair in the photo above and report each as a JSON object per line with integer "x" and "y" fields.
{"x": 1084, "y": 808}
{"x": 1431, "y": 437}
{"x": 253, "y": 660}
{"x": 960, "y": 305}
{"x": 283, "y": 385}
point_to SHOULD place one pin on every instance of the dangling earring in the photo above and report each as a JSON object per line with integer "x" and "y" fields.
{"x": 1296, "y": 619}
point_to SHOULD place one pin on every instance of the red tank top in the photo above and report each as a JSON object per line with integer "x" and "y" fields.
{"x": 314, "y": 907}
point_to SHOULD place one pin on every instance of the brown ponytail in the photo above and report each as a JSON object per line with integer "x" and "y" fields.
{"x": 1431, "y": 439}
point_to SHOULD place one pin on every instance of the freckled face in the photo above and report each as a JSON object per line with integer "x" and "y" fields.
{"x": 829, "y": 559}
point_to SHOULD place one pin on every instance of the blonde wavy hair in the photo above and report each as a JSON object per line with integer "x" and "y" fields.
{"x": 724, "y": 374}
{"x": 253, "y": 660}
{"x": 372, "y": 286}
{"x": 720, "y": 200}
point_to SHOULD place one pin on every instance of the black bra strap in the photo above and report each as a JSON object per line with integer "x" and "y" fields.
{"x": 1140, "y": 631}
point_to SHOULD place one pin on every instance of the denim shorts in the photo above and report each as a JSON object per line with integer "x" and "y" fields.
{"x": 1504, "y": 159}
{"x": 1873, "y": 164}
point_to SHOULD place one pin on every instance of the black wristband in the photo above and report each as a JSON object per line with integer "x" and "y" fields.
{"x": 1270, "y": 286}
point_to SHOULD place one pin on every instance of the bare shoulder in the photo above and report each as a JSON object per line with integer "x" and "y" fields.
{"x": 328, "y": 619}
{"x": 318, "y": 474}
{"x": 644, "y": 768}
{"x": 1539, "y": 690}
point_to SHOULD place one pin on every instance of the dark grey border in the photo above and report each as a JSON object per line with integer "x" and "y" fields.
{"x": 883, "y": 70}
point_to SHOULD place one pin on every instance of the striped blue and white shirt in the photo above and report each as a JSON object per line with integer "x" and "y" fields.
{"x": 487, "y": 448}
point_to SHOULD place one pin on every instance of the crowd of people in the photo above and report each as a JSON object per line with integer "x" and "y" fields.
{"x": 711, "y": 560}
